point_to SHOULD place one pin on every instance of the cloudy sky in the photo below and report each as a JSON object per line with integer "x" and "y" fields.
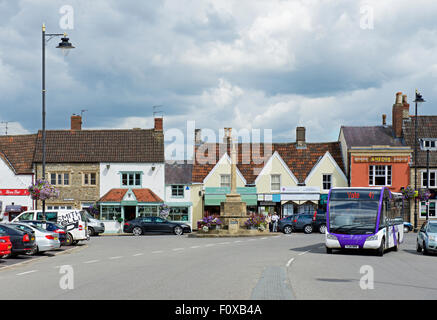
{"x": 254, "y": 64}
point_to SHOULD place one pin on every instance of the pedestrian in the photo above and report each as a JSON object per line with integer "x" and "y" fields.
{"x": 269, "y": 221}
{"x": 275, "y": 219}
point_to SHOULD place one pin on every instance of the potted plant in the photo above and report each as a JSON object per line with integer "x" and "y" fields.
{"x": 42, "y": 190}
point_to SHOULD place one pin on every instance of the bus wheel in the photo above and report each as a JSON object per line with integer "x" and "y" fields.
{"x": 328, "y": 250}
{"x": 381, "y": 248}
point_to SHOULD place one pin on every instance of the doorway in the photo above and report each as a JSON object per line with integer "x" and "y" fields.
{"x": 129, "y": 213}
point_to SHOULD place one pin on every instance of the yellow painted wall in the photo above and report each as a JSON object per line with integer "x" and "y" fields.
{"x": 326, "y": 167}
{"x": 263, "y": 184}
{"x": 223, "y": 167}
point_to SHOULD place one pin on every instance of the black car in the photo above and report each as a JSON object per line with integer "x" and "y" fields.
{"x": 303, "y": 222}
{"x": 50, "y": 226}
{"x": 319, "y": 220}
{"x": 142, "y": 225}
{"x": 285, "y": 224}
{"x": 22, "y": 242}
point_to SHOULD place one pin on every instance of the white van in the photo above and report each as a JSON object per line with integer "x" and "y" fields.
{"x": 73, "y": 220}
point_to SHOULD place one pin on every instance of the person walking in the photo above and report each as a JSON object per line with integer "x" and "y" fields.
{"x": 275, "y": 219}
{"x": 269, "y": 221}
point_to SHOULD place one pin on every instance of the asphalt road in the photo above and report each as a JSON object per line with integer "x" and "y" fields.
{"x": 171, "y": 267}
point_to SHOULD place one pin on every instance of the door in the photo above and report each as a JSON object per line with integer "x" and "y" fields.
{"x": 147, "y": 224}
{"x": 129, "y": 213}
{"x": 161, "y": 225}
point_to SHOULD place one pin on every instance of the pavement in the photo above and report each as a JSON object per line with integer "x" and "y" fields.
{"x": 169, "y": 267}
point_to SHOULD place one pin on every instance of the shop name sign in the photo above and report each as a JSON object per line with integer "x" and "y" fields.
{"x": 14, "y": 192}
{"x": 380, "y": 159}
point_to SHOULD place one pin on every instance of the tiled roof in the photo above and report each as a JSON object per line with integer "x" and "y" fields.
{"x": 17, "y": 151}
{"x": 178, "y": 173}
{"x": 426, "y": 128}
{"x": 370, "y": 136}
{"x": 88, "y": 146}
{"x": 142, "y": 195}
{"x": 299, "y": 160}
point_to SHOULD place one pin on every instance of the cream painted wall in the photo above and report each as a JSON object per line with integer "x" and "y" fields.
{"x": 197, "y": 208}
{"x": 222, "y": 167}
{"x": 263, "y": 183}
{"x": 326, "y": 167}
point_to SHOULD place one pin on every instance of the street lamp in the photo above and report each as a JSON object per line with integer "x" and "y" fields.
{"x": 65, "y": 45}
{"x": 418, "y": 99}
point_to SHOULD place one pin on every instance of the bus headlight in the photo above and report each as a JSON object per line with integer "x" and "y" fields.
{"x": 371, "y": 238}
{"x": 330, "y": 236}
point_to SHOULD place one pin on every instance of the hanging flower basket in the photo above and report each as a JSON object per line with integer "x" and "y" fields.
{"x": 42, "y": 190}
{"x": 164, "y": 211}
{"x": 424, "y": 194}
{"x": 408, "y": 193}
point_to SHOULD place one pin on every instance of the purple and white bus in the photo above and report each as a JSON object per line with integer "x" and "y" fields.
{"x": 364, "y": 218}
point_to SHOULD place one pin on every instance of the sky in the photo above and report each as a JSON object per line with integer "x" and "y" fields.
{"x": 245, "y": 64}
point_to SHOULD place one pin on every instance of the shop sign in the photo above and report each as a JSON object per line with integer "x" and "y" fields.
{"x": 380, "y": 159}
{"x": 14, "y": 192}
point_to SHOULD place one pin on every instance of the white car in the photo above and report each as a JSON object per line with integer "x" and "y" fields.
{"x": 45, "y": 240}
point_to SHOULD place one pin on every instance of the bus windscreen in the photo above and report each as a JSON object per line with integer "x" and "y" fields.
{"x": 355, "y": 194}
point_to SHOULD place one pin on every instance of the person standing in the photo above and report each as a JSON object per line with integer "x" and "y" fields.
{"x": 269, "y": 221}
{"x": 275, "y": 219}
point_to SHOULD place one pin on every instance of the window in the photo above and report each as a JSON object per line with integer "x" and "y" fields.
{"x": 379, "y": 175}
{"x": 275, "y": 182}
{"x": 131, "y": 179}
{"x": 432, "y": 209}
{"x": 178, "y": 214}
{"x": 60, "y": 179}
{"x": 327, "y": 181}
{"x": 225, "y": 181}
{"x": 110, "y": 213}
{"x": 50, "y": 216}
{"x": 430, "y": 144}
{"x": 432, "y": 179}
{"x": 147, "y": 211}
{"x": 177, "y": 191}
{"x": 89, "y": 179}
{"x": 59, "y": 207}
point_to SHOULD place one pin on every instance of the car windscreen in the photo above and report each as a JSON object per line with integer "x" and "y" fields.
{"x": 432, "y": 228}
{"x": 22, "y": 228}
{"x": 353, "y": 217}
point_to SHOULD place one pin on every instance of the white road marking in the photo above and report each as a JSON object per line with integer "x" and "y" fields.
{"x": 159, "y": 251}
{"x": 195, "y": 247}
{"x": 210, "y": 245}
{"x": 303, "y": 253}
{"x": 224, "y": 243}
{"x": 251, "y": 240}
{"x": 91, "y": 261}
{"x": 238, "y": 241}
{"x": 116, "y": 257}
{"x": 264, "y": 238}
{"x": 27, "y": 272}
{"x": 289, "y": 262}
{"x": 138, "y": 254}
{"x": 177, "y": 249}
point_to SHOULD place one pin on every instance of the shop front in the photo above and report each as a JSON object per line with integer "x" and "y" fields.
{"x": 269, "y": 203}
{"x": 300, "y": 200}
{"x": 215, "y": 196}
{"x": 180, "y": 212}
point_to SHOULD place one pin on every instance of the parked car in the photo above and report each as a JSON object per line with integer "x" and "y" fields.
{"x": 303, "y": 222}
{"x": 319, "y": 220}
{"x": 5, "y": 244}
{"x": 95, "y": 226}
{"x": 142, "y": 225}
{"x": 50, "y": 226}
{"x": 73, "y": 220}
{"x": 427, "y": 238}
{"x": 285, "y": 224}
{"x": 23, "y": 242}
{"x": 45, "y": 240}
{"x": 408, "y": 227}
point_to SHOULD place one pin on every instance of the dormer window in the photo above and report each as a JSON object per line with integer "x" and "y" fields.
{"x": 428, "y": 144}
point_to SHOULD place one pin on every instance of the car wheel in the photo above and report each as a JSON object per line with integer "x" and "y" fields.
{"x": 328, "y": 250}
{"x": 418, "y": 247}
{"x": 178, "y": 231}
{"x": 137, "y": 231}
{"x": 69, "y": 240}
{"x": 288, "y": 229}
{"x": 308, "y": 229}
{"x": 75, "y": 242}
{"x": 381, "y": 248}
{"x": 406, "y": 229}
{"x": 91, "y": 231}
{"x": 322, "y": 229}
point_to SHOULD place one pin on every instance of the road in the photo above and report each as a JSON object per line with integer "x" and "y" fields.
{"x": 171, "y": 267}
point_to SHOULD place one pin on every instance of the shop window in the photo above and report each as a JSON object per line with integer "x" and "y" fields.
{"x": 432, "y": 209}
{"x": 131, "y": 179}
{"x": 110, "y": 213}
{"x": 327, "y": 178}
{"x": 432, "y": 179}
{"x": 147, "y": 211}
{"x": 178, "y": 214}
{"x": 379, "y": 175}
{"x": 275, "y": 182}
{"x": 177, "y": 191}
{"x": 225, "y": 180}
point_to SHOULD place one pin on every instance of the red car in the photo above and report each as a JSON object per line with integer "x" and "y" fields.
{"x": 5, "y": 245}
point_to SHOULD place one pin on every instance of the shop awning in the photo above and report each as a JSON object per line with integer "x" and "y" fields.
{"x": 215, "y": 196}
{"x": 300, "y": 193}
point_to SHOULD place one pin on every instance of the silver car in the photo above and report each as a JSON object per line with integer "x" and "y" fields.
{"x": 94, "y": 226}
{"x": 45, "y": 240}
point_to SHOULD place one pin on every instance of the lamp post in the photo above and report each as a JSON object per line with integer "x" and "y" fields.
{"x": 417, "y": 100}
{"x": 427, "y": 182}
{"x": 64, "y": 45}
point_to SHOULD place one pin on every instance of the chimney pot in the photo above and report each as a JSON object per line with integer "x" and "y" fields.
{"x": 197, "y": 136}
{"x": 384, "y": 119}
{"x": 76, "y": 122}
{"x": 158, "y": 124}
{"x": 227, "y": 136}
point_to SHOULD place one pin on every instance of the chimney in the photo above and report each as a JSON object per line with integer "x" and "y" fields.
{"x": 197, "y": 136}
{"x": 300, "y": 137}
{"x": 158, "y": 124}
{"x": 397, "y": 112}
{"x": 76, "y": 122}
{"x": 227, "y": 136}
{"x": 384, "y": 120}
{"x": 406, "y": 109}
